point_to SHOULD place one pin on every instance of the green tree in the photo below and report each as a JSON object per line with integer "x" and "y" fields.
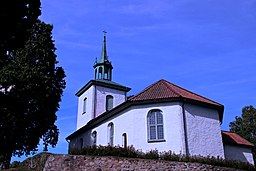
{"x": 245, "y": 126}
{"x": 16, "y": 17}
{"x": 31, "y": 85}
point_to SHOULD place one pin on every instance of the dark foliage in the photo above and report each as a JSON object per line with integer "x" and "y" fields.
{"x": 16, "y": 18}
{"x": 245, "y": 126}
{"x": 31, "y": 87}
{"x": 107, "y": 151}
{"x": 154, "y": 154}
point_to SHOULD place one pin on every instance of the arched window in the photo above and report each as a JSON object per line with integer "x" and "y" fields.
{"x": 124, "y": 140}
{"x": 84, "y": 105}
{"x": 111, "y": 134}
{"x": 155, "y": 125}
{"x": 106, "y": 74}
{"x": 94, "y": 138}
{"x": 81, "y": 143}
{"x": 100, "y": 73}
{"x": 109, "y": 102}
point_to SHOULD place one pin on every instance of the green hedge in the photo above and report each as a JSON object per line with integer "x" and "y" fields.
{"x": 131, "y": 152}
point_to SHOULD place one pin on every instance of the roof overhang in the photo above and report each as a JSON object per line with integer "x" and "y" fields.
{"x": 103, "y": 83}
{"x": 231, "y": 138}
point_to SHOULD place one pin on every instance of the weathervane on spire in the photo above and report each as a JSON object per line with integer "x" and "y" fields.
{"x": 104, "y": 31}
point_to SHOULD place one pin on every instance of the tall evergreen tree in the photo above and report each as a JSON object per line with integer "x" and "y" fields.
{"x": 32, "y": 86}
{"x": 245, "y": 126}
{"x": 16, "y": 17}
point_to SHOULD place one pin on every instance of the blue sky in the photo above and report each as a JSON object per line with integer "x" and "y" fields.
{"x": 205, "y": 46}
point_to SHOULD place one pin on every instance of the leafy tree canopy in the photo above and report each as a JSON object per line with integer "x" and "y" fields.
{"x": 245, "y": 126}
{"x": 16, "y": 17}
{"x": 31, "y": 86}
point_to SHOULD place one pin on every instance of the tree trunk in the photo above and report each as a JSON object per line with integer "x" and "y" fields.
{"x": 5, "y": 160}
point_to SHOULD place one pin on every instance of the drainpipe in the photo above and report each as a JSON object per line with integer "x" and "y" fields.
{"x": 185, "y": 128}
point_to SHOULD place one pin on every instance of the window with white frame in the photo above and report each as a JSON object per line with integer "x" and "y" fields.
{"x": 109, "y": 102}
{"x": 84, "y": 105}
{"x": 111, "y": 134}
{"x": 155, "y": 125}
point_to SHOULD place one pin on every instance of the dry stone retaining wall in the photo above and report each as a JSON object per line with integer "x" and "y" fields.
{"x": 96, "y": 163}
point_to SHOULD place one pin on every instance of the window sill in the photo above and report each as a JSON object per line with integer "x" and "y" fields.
{"x": 155, "y": 141}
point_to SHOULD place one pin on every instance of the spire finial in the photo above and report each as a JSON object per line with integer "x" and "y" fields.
{"x": 104, "y": 31}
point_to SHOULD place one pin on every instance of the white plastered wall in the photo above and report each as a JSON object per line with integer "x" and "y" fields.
{"x": 97, "y": 97}
{"x": 102, "y": 92}
{"x": 203, "y": 131}
{"x": 133, "y": 122}
{"x": 84, "y": 118}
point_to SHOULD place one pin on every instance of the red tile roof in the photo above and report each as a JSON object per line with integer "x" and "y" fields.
{"x": 163, "y": 89}
{"x": 233, "y": 138}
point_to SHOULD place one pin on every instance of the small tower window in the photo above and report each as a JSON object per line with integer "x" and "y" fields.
{"x": 109, "y": 102}
{"x": 111, "y": 134}
{"x": 100, "y": 73}
{"x": 84, "y": 105}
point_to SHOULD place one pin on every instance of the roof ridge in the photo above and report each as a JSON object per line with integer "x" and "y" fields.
{"x": 145, "y": 89}
{"x": 168, "y": 87}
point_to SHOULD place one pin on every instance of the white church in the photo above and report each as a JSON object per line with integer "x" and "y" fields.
{"x": 163, "y": 116}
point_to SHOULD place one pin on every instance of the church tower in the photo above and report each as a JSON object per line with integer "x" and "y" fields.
{"x": 103, "y": 68}
{"x": 101, "y": 94}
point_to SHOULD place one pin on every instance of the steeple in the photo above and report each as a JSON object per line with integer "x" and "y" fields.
{"x": 103, "y": 68}
{"x": 104, "y": 56}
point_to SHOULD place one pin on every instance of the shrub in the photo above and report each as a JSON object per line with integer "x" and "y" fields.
{"x": 152, "y": 154}
{"x": 107, "y": 151}
{"x": 14, "y": 164}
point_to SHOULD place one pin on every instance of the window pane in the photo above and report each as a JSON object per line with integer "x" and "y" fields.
{"x": 84, "y": 106}
{"x": 151, "y": 119}
{"x": 111, "y": 134}
{"x": 109, "y": 102}
{"x": 160, "y": 132}
{"x": 159, "y": 117}
{"x": 94, "y": 136}
{"x": 152, "y": 132}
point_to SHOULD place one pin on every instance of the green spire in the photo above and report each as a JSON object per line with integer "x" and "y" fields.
{"x": 103, "y": 68}
{"x": 104, "y": 56}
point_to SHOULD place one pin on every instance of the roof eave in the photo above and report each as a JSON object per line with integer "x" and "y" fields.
{"x": 99, "y": 83}
{"x": 100, "y": 118}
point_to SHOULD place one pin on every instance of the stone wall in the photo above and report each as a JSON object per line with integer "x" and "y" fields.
{"x": 93, "y": 163}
